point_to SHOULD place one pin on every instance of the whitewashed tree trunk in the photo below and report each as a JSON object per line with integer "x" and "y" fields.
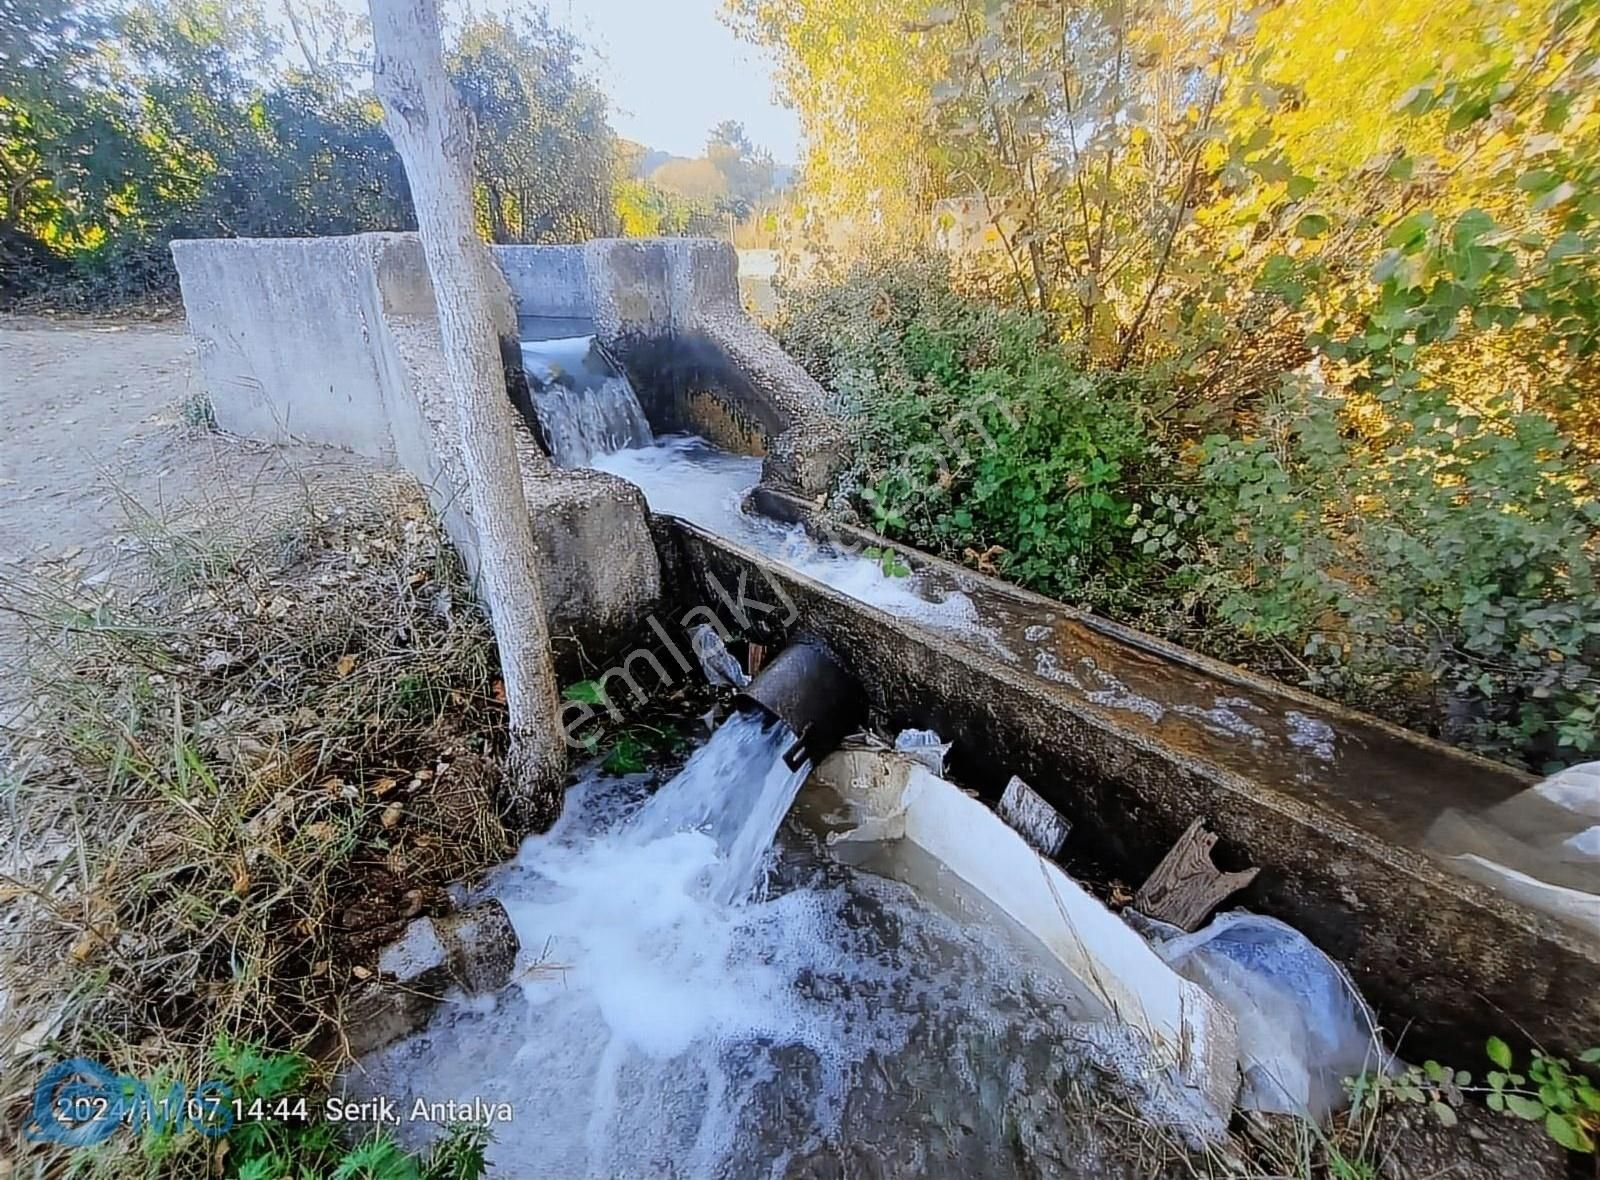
{"x": 431, "y": 131}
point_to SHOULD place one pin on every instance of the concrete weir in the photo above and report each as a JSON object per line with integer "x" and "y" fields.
{"x": 669, "y": 309}
{"x": 1132, "y": 739}
{"x": 335, "y": 340}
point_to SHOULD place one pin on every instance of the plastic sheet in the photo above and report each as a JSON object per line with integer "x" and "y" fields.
{"x": 716, "y": 661}
{"x": 926, "y": 746}
{"x": 1303, "y": 1026}
{"x": 1541, "y": 847}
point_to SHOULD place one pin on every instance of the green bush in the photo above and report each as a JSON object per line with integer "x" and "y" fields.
{"x": 973, "y": 431}
{"x": 1440, "y": 555}
{"x": 1371, "y": 538}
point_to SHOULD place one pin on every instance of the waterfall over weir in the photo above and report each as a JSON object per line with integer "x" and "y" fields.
{"x": 694, "y": 999}
{"x": 585, "y": 404}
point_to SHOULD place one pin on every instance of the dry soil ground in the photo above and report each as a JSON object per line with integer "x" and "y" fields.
{"x": 93, "y": 438}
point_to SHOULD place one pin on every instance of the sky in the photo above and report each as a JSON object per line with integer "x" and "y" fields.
{"x": 674, "y": 70}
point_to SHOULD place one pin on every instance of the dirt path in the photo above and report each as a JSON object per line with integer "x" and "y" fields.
{"x": 93, "y": 437}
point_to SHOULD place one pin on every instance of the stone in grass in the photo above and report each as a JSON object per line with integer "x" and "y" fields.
{"x": 1042, "y": 826}
{"x": 474, "y": 949}
{"x": 414, "y": 971}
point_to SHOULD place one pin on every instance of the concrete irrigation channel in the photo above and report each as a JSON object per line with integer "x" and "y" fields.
{"x": 1129, "y": 737}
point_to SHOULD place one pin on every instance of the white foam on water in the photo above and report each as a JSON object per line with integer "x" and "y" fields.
{"x": 655, "y": 1029}
{"x": 683, "y": 475}
{"x": 1226, "y": 717}
{"x": 1311, "y": 734}
{"x": 1114, "y": 694}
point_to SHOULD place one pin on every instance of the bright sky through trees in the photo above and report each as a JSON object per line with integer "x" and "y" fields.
{"x": 674, "y": 71}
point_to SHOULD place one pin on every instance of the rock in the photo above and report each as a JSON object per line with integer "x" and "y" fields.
{"x": 380, "y": 1013}
{"x": 483, "y": 946}
{"x": 419, "y": 959}
{"x": 413, "y": 973}
{"x": 474, "y": 950}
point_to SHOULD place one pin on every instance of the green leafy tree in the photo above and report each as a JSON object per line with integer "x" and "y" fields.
{"x": 125, "y": 125}
{"x": 545, "y": 153}
{"x": 746, "y": 170}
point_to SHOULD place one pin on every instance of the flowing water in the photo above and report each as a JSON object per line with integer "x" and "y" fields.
{"x": 591, "y": 417}
{"x": 694, "y": 1000}
{"x": 736, "y": 789}
{"x": 708, "y": 987}
{"x": 683, "y": 475}
{"x": 585, "y": 404}
{"x": 1355, "y": 765}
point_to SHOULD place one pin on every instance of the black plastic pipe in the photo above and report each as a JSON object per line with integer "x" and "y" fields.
{"x": 806, "y": 688}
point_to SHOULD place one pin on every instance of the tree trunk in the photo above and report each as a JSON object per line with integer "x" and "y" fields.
{"x": 431, "y": 132}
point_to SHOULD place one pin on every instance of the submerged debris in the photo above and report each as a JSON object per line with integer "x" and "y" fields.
{"x": 718, "y": 664}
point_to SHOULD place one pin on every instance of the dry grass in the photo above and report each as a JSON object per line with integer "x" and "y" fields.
{"x": 234, "y": 785}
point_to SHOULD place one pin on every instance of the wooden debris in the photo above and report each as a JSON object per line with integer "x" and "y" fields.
{"x": 1186, "y": 886}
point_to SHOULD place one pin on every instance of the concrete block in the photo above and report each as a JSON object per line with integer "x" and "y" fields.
{"x": 335, "y": 340}
{"x": 283, "y": 333}
{"x": 473, "y": 949}
{"x": 670, "y": 309}
{"x": 598, "y": 563}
